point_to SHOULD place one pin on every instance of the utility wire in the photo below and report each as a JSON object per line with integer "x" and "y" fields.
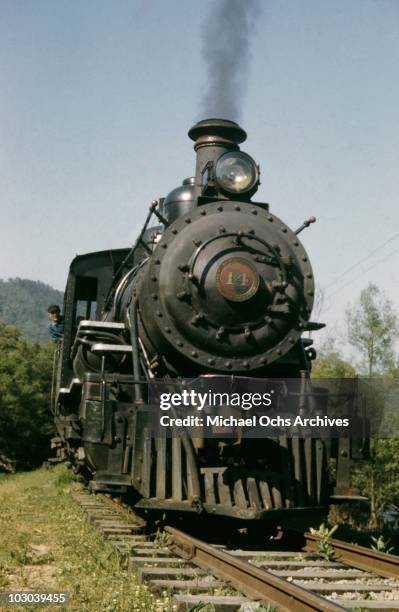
{"x": 361, "y": 261}
{"x": 353, "y": 280}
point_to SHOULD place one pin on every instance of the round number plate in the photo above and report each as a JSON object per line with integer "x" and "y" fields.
{"x": 237, "y": 279}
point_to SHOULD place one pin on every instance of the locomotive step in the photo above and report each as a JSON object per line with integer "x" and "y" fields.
{"x": 100, "y": 347}
{"x": 103, "y": 325}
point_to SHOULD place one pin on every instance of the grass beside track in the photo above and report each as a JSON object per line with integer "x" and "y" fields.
{"x": 46, "y": 544}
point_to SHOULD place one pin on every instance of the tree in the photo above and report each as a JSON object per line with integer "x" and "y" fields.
{"x": 330, "y": 364}
{"x": 25, "y": 380}
{"x": 373, "y": 330}
{"x": 378, "y": 478}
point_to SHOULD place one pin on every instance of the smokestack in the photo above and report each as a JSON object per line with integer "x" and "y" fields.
{"x": 212, "y": 138}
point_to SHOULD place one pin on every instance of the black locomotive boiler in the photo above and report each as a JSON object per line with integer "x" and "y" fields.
{"x": 218, "y": 286}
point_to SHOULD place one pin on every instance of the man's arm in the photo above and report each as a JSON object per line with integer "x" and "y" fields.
{"x": 56, "y": 332}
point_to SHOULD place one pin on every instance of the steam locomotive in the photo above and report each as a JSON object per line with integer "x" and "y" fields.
{"x": 218, "y": 286}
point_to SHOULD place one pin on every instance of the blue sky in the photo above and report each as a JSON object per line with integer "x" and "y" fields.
{"x": 97, "y": 97}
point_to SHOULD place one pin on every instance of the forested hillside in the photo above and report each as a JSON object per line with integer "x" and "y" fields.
{"x": 24, "y": 303}
{"x": 26, "y": 423}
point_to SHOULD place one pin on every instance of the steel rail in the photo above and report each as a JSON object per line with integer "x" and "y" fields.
{"x": 255, "y": 583}
{"x": 359, "y": 556}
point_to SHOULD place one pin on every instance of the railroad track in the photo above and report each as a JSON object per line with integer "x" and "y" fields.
{"x": 197, "y": 573}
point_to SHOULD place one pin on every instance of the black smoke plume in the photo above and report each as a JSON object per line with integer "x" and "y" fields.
{"x": 226, "y": 49}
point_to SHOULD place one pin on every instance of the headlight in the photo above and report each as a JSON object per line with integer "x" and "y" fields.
{"x": 236, "y": 172}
